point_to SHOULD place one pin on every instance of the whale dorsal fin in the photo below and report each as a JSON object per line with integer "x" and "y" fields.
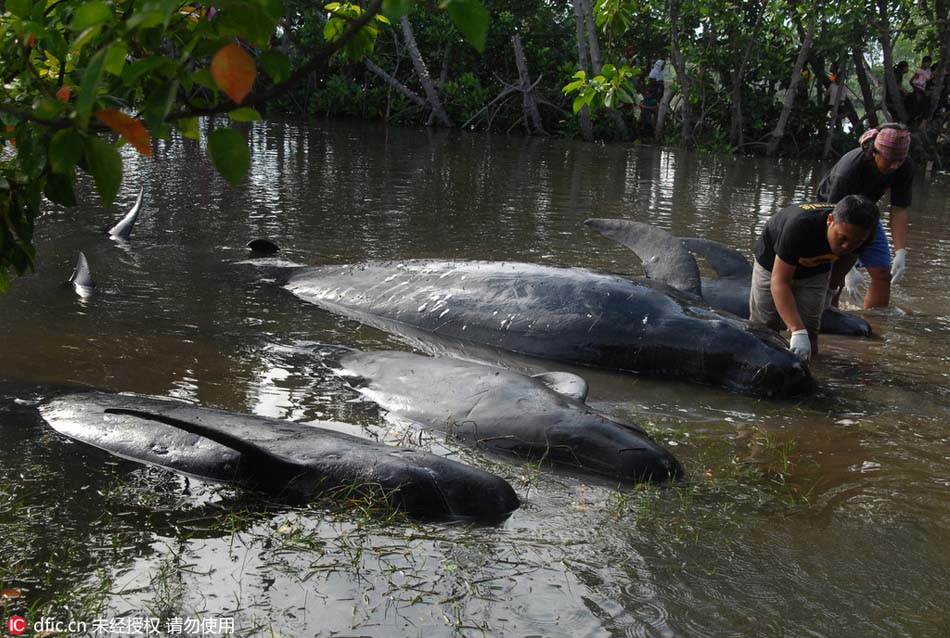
{"x": 570, "y": 385}
{"x": 82, "y": 276}
{"x": 725, "y": 260}
{"x": 664, "y": 257}
{"x": 123, "y": 230}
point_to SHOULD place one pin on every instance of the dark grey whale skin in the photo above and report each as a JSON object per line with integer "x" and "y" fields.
{"x": 509, "y": 413}
{"x": 572, "y": 315}
{"x": 293, "y": 461}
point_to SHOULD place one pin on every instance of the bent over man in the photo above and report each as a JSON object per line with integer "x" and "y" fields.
{"x": 793, "y": 258}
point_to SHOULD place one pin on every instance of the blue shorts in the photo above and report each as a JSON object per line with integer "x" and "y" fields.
{"x": 878, "y": 252}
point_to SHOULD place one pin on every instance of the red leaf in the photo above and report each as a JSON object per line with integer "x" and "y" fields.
{"x": 234, "y": 70}
{"x": 128, "y": 127}
{"x": 64, "y": 92}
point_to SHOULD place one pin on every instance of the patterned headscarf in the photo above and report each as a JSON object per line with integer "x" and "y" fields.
{"x": 892, "y": 143}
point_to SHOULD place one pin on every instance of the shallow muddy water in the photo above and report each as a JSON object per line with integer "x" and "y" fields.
{"x": 826, "y": 517}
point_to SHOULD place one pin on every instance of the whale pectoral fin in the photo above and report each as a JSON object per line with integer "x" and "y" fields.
{"x": 253, "y": 452}
{"x": 725, "y": 260}
{"x": 664, "y": 257}
{"x": 565, "y": 383}
{"x": 123, "y": 229}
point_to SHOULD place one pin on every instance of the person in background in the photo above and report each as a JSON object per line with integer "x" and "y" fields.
{"x": 656, "y": 78}
{"x": 918, "y": 82}
{"x": 793, "y": 259}
{"x": 879, "y": 165}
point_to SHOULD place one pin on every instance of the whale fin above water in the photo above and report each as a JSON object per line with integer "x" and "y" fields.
{"x": 565, "y": 383}
{"x": 664, "y": 256}
{"x": 123, "y": 229}
{"x": 81, "y": 279}
{"x": 725, "y": 260}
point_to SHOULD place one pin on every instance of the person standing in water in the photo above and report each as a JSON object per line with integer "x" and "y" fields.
{"x": 880, "y": 165}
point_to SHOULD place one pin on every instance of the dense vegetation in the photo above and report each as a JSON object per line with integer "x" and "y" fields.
{"x": 82, "y": 76}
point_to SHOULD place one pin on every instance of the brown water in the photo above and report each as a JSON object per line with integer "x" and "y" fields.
{"x": 826, "y": 518}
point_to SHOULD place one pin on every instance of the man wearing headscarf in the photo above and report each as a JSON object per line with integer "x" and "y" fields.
{"x": 881, "y": 164}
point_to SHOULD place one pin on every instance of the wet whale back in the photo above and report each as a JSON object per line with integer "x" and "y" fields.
{"x": 565, "y": 314}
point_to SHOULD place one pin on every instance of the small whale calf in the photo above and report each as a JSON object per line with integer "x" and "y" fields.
{"x": 290, "y": 460}
{"x": 540, "y": 418}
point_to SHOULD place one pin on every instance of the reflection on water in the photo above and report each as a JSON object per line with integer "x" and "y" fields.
{"x": 828, "y": 517}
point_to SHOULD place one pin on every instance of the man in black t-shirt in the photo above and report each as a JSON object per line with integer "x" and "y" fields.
{"x": 879, "y": 165}
{"x": 793, "y": 258}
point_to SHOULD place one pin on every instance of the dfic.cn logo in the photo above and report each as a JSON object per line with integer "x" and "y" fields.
{"x": 16, "y": 625}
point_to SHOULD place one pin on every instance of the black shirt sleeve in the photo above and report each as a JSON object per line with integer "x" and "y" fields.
{"x": 790, "y": 241}
{"x": 903, "y": 183}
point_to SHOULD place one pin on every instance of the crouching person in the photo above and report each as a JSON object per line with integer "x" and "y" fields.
{"x": 793, "y": 259}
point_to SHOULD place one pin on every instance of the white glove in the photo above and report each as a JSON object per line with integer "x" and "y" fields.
{"x": 854, "y": 282}
{"x": 800, "y": 344}
{"x": 899, "y": 265}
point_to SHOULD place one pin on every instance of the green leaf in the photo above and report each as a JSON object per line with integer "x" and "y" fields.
{"x": 230, "y": 154}
{"x": 59, "y": 189}
{"x": 48, "y": 108}
{"x": 203, "y": 77}
{"x": 579, "y": 103}
{"x": 276, "y": 65}
{"x": 471, "y": 18}
{"x": 573, "y": 86}
{"x": 395, "y": 9}
{"x": 65, "y": 150}
{"x": 250, "y": 21}
{"x": 246, "y": 114}
{"x": 153, "y": 13}
{"x": 132, "y": 72}
{"x": 89, "y": 88}
{"x": 90, "y": 14}
{"x": 105, "y": 164}
{"x": 115, "y": 58}
{"x": 19, "y": 8}
{"x": 188, "y": 127}
{"x": 31, "y": 151}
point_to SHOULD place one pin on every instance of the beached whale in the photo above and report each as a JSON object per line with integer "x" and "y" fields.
{"x": 290, "y": 460}
{"x": 572, "y": 315}
{"x": 539, "y": 418}
{"x": 667, "y": 258}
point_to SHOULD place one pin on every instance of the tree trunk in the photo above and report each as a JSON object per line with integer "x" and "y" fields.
{"x": 679, "y": 63}
{"x": 943, "y": 29}
{"x": 597, "y": 60}
{"x": 891, "y": 91}
{"x": 870, "y": 107}
{"x": 663, "y": 109}
{"x": 587, "y": 130}
{"x": 736, "y": 137}
{"x": 532, "y": 117}
{"x": 432, "y": 95}
{"x": 779, "y": 131}
{"x": 411, "y": 95}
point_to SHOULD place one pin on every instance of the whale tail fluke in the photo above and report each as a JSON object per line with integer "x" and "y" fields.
{"x": 123, "y": 230}
{"x": 664, "y": 256}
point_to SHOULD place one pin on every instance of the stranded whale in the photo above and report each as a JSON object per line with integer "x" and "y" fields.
{"x": 667, "y": 258}
{"x": 540, "y": 418}
{"x": 291, "y": 460}
{"x": 572, "y": 315}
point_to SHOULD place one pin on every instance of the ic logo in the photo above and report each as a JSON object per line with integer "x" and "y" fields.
{"x": 16, "y": 625}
